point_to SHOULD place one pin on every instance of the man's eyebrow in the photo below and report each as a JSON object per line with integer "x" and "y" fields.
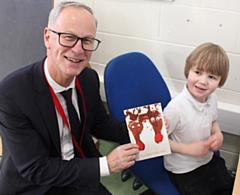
{"x": 86, "y": 36}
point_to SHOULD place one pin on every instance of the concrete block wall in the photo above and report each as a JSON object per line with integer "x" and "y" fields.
{"x": 167, "y": 31}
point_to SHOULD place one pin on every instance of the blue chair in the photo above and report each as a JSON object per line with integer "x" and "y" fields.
{"x": 132, "y": 80}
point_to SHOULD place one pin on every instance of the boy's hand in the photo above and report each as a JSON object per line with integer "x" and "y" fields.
{"x": 215, "y": 142}
{"x": 198, "y": 148}
{"x": 216, "y": 138}
{"x": 167, "y": 123}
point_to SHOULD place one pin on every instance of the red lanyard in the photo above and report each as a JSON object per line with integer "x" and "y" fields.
{"x": 64, "y": 118}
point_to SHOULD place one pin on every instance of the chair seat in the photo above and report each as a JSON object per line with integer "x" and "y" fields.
{"x": 154, "y": 176}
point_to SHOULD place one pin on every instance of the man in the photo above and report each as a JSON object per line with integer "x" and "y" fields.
{"x": 41, "y": 153}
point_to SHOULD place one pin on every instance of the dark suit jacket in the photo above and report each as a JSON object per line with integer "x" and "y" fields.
{"x": 31, "y": 161}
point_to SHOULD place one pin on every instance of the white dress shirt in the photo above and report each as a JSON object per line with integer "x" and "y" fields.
{"x": 67, "y": 148}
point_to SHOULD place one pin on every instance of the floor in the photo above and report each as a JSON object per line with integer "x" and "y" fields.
{"x": 113, "y": 182}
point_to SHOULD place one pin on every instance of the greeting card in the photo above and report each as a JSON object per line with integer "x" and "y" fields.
{"x": 146, "y": 127}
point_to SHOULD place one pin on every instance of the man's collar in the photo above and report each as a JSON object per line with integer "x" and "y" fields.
{"x": 55, "y": 86}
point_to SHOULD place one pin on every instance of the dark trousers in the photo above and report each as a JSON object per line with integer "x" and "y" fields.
{"x": 210, "y": 179}
{"x": 74, "y": 191}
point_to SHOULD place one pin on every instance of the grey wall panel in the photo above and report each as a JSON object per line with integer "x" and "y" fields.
{"x": 21, "y": 33}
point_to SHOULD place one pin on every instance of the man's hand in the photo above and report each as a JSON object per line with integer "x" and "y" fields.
{"x": 122, "y": 157}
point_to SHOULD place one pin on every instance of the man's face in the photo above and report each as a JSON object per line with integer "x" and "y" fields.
{"x": 64, "y": 63}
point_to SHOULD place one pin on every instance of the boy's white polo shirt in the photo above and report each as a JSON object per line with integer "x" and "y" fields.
{"x": 190, "y": 121}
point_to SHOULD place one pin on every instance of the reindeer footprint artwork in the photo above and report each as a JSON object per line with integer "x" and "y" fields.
{"x": 147, "y": 123}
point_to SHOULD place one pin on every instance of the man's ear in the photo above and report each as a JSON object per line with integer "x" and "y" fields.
{"x": 46, "y": 37}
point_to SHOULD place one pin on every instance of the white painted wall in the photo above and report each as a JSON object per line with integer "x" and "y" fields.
{"x": 167, "y": 32}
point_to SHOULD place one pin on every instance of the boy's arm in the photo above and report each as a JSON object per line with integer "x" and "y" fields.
{"x": 197, "y": 148}
{"x": 200, "y": 148}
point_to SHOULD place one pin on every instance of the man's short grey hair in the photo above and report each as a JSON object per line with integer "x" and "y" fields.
{"x": 56, "y": 10}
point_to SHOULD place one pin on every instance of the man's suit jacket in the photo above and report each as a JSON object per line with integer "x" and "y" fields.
{"x": 31, "y": 161}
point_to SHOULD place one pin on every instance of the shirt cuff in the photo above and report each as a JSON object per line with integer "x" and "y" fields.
{"x": 104, "y": 170}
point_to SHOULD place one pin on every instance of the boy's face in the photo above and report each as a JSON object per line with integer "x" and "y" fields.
{"x": 201, "y": 83}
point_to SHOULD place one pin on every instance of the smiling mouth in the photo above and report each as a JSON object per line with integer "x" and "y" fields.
{"x": 199, "y": 88}
{"x": 74, "y": 60}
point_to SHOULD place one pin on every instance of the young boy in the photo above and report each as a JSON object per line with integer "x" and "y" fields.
{"x": 193, "y": 131}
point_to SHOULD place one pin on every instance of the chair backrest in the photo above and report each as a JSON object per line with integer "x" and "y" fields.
{"x": 132, "y": 80}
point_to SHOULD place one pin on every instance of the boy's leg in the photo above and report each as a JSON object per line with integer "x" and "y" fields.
{"x": 205, "y": 180}
{"x": 190, "y": 183}
{"x": 224, "y": 182}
